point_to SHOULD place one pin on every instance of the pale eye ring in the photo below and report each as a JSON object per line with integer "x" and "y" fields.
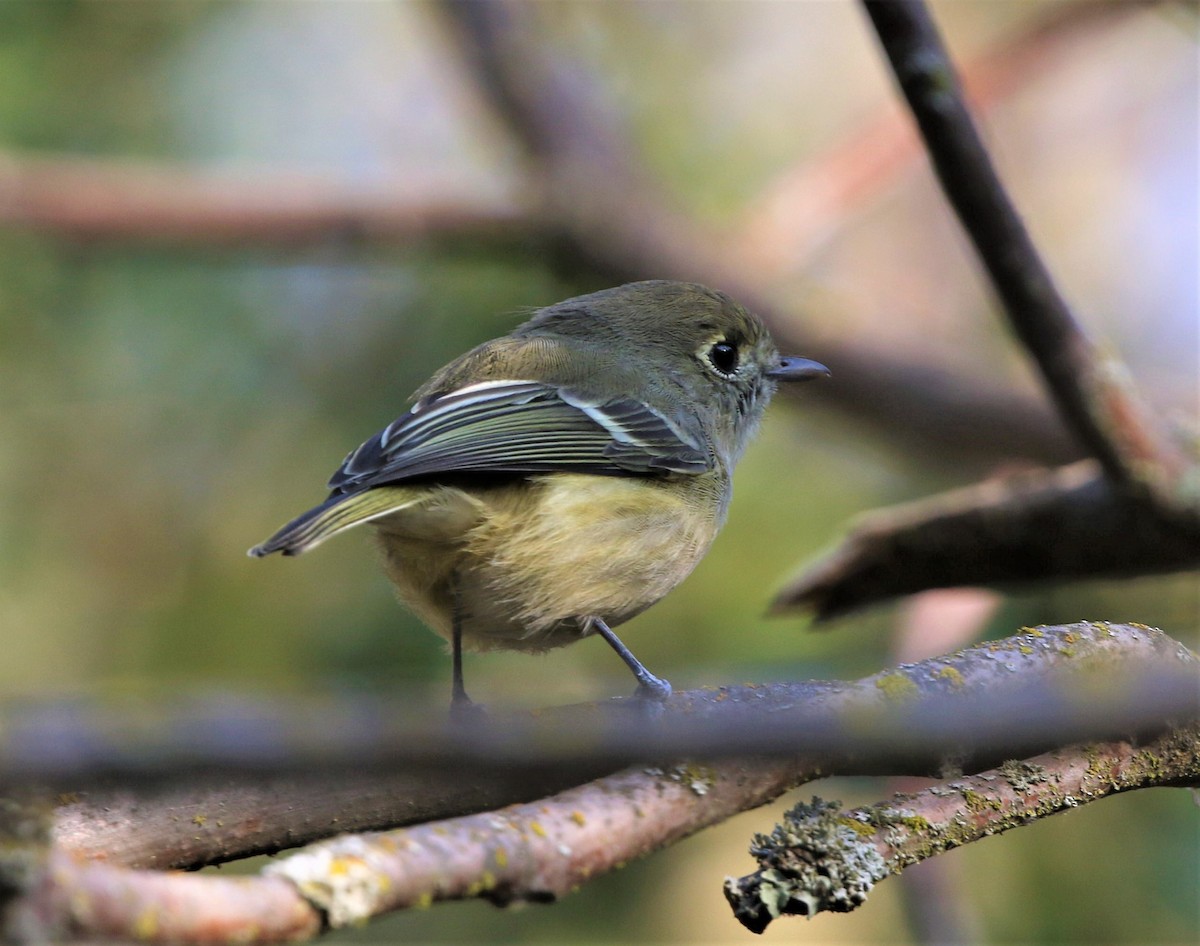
{"x": 723, "y": 356}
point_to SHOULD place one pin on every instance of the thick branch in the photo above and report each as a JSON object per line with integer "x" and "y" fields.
{"x": 1091, "y": 389}
{"x": 994, "y": 701}
{"x": 75, "y": 901}
{"x": 821, "y": 859}
{"x": 1025, "y": 529}
{"x": 543, "y": 849}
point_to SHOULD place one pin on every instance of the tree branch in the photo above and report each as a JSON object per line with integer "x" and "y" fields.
{"x": 803, "y": 207}
{"x": 820, "y": 859}
{"x": 1092, "y": 389}
{"x": 965, "y": 710}
{"x": 617, "y": 226}
{"x": 90, "y": 199}
{"x": 189, "y": 792}
{"x": 1024, "y": 529}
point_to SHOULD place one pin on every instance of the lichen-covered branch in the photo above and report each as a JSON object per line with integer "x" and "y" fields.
{"x": 1092, "y": 389}
{"x": 535, "y": 852}
{"x": 823, "y": 859}
{"x": 996, "y": 700}
{"x": 1023, "y": 529}
{"x": 967, "y": 711}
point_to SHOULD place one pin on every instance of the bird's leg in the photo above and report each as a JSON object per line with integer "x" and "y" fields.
{"x": 649, "y": 687}
{"x": 462, "y": 707}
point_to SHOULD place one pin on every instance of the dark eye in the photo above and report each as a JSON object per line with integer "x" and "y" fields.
{"x": 724, "y": 356}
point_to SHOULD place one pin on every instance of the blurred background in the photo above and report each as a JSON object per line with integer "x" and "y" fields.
{"x": 171, "y": 393}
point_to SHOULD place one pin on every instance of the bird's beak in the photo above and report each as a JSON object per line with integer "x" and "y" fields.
{"x": 791, "y": 368}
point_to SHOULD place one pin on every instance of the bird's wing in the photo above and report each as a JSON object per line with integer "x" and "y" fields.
{"x": 521, "y": 427}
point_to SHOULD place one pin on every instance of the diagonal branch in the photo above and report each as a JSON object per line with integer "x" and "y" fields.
{"x": 1091, "y": 388}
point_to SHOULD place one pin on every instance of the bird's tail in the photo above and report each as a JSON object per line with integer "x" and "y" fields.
{"x": 335, "y": 515}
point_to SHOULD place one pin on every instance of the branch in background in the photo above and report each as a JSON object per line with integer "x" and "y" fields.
{"x": 1036, "y": 526}
{"x": 821, "y": 859}
{"x": 90, "y": 199}
{"x": 1092, "y": 389}
{"x": 618, "y": 227}
{"x": 806, "y": 205}
{"x": 998, "y": 700}
{"x": 538, "y": 852}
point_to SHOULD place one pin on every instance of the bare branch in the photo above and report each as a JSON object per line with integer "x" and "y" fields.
{"x": 542, "y": 849}
{"x": 990, "y": 702}
{"x": 807, "y": 204}
{"x": 1033, "y": 527}
{"x": 75, "y": 900}
{"x": 1091, "y": 388}
{"x": 537, "y": 852}
{"x": 89, "y": 199}
{"x": 821, "y": 859}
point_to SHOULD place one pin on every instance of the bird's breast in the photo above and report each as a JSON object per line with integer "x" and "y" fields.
{"x": 548, "y": 551}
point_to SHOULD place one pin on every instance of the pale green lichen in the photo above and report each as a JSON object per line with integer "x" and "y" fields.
{"x": 814, "y": 861}
{"x": 897, "y": 687}
{"x": 1022, "y": 776}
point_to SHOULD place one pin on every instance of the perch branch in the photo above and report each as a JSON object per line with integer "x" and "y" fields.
{"x": 821, "y": 859}
{"x": 990, "y": 702}
{"x": 543, "y": 849}
{"x": 1019, "y": 530}
{"x": 1091, "y": 388}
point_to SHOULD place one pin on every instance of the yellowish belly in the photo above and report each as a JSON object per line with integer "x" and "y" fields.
{"x": 538, "y": 558}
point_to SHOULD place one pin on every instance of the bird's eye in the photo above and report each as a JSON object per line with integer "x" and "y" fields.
{"x": 724, "y": 356}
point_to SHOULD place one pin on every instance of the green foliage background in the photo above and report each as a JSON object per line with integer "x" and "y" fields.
{"x": 164, "y": 408}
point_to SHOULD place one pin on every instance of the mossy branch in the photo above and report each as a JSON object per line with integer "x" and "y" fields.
{"x": 970, "y": 710}
{"x": 821, "y": 859}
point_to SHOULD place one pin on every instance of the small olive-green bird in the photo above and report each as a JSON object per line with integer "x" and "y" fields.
{"x": 553, "y": 483}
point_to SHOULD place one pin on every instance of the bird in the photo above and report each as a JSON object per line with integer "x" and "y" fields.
{"x": 553, "y": 483}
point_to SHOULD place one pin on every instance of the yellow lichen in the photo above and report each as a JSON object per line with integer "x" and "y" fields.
{"x": 897, "y": 687}
{"x": 146, "y": 925}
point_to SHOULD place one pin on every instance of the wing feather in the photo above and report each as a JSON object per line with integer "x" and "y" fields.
{"x": 521, "y": 427}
